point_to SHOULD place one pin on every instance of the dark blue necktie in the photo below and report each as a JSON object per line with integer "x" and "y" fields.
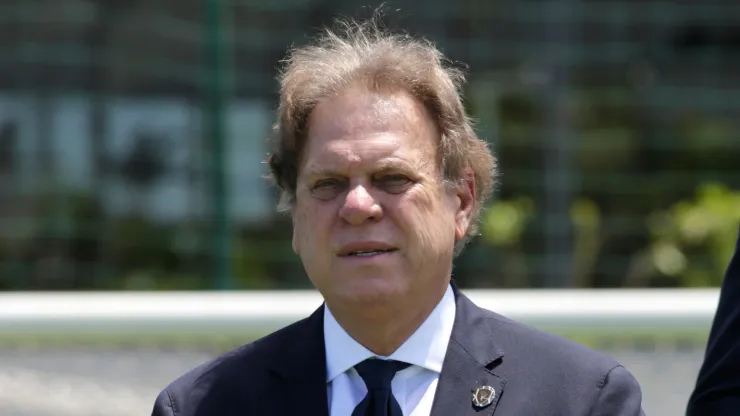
{"x": 377, "y": 375}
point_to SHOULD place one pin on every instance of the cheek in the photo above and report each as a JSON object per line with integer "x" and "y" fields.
{"x": 302, "y": 231}
{"x": 313, "y": 225}
{"x": 428, "y": 213}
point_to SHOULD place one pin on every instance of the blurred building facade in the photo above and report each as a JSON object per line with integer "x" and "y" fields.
{"x": 615, "y": 124}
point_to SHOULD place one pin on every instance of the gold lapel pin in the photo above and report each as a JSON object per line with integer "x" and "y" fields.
{"x": 483, "y": 396}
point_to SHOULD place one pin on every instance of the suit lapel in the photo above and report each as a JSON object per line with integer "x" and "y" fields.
{"x": 299, "y": 373}
{"x": 471, "y": 355}
{"x": 299, "y": 370}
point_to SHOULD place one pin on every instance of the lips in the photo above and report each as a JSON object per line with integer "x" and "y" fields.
{"x": 365, "y": 249}
{"x": 367, "y": 253}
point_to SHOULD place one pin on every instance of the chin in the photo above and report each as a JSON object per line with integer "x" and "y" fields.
{"x": 374, "y": 290}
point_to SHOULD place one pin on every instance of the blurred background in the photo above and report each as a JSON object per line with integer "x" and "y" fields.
{"x": 132, "y": 135}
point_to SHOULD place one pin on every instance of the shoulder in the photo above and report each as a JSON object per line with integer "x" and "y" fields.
{"x": 579, "y": 380}
{"x": 541, "y": 345}
{"x": 243, "y": 369}
{"x": 539, "y": 355}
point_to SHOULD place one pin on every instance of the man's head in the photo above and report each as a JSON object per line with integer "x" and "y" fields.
{"x": 377, "y": 163}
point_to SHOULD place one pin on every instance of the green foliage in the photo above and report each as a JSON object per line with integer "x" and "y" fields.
{"x": 693, "y": 241}
{"x": 504, "y": 222}
{"x": 586, "y": 219}
{"x": 504, "y": 225}
{"x": 249, "y": 265}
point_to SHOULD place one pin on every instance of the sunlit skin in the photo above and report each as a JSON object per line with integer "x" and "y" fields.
{"x": 369, "y": 181}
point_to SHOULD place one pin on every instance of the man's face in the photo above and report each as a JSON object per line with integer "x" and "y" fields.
{"x": 373, "y": 220}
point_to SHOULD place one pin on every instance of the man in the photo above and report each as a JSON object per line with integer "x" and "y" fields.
{"x": 717, "y": 391}
{"x": 384, "y": 178}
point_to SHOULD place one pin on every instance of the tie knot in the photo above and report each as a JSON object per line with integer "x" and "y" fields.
{"x": 377, "y": 374}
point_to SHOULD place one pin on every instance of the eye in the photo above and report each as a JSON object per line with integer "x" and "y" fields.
{"x": 327, "y": 189}
{"x": 394, "y": 184}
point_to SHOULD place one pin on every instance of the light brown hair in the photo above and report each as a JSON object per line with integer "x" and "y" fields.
{"x": 363, "y": 51}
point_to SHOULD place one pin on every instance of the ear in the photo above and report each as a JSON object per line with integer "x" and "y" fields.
{"x": 465, "y": 193}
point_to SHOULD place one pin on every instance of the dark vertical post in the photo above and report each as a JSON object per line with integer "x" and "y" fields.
{"x": 215, "y": 114}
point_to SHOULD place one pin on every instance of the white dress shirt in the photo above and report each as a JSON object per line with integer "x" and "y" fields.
{"x": 413, "y": 387}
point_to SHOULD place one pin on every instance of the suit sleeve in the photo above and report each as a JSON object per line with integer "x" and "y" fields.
{"x": 620, "y": 395}
{"x": 717, "y": 390}
{"x": 163, "y": 406}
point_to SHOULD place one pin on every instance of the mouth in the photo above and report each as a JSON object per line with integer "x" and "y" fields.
{"x": 368, "y": 253}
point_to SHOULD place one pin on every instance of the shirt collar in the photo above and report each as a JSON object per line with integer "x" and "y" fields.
{"x": 425, "y": 348}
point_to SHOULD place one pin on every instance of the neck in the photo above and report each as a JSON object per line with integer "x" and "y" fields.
{"x": 384, "y": 328}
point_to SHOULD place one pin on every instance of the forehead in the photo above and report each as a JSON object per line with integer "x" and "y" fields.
{"x": 359, "y": 126}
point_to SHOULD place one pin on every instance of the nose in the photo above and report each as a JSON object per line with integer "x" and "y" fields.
{"x": 360, "y": 206}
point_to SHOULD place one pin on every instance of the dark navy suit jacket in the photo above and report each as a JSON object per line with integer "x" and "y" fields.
{"x": 533, "y": 374}
{"x": 717, "y": 391}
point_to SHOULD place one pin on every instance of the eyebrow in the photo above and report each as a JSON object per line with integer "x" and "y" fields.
{"x": 385, "y": 165}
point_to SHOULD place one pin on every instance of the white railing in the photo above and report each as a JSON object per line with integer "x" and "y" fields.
{"x": 233, "y": 313}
